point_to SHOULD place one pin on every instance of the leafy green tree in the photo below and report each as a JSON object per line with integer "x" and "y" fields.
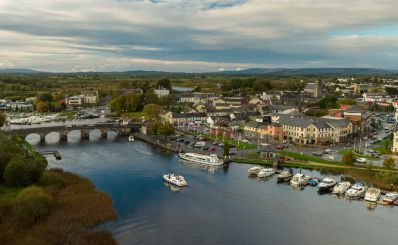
{"x": 165, "y": 130}
{"x": 2, "y": 119}
{"x": 226, "y": 149}
{"x": 32, "y": 204}
{"x": 348, "y": 157}
{"x": 164, "y": 83}
{"x": 21, "y": 171}
{"x": 388, "y": 144}
{"x": 151, "y": 98}
{"x": 389, "y": 163}
{"x": 153, "y": 112}
{"x": 118, "y": 104}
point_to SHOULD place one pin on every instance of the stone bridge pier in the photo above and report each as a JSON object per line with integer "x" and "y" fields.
{"x": 104, "y": 133}
{"x": 85, "y": 134}
{"x": 63, "y": 135}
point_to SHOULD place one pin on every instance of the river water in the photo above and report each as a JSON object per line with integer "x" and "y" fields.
{"x": 218, "y": 207}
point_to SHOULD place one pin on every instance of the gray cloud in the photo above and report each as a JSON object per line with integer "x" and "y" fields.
{"x": 180, "y": 35}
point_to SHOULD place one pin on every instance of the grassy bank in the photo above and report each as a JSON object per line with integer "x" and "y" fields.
{"x": 76, "y": 208}
{"x": 304, "y": 157}
{"x": 358, "y": 155}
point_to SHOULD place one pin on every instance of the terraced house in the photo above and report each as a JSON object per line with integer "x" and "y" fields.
{"x": 312, "y": 130}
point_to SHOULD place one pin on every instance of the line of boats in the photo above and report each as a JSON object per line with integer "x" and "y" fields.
{"x": 327, "y": 185}
{"x": 35, "y": 120}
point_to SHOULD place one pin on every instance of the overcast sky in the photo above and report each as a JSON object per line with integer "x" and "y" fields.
{"x": 190, "y": 35}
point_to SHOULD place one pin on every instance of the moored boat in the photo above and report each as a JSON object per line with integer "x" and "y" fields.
{"x": 390, "y": 198}
{"x": 326, "y": 185}
{"x": 341, "y": 188}
{"x": 131, "y": 138}
{"x": 300, "y": 180}
{"x": 313, "y": 182}
{"x": 265, "y": 172}
{"x": 211, "y": 159}
{"x": 372, "y": 195}
{"x": 356, "y": 191}
{"x": 175, "y": 179}
{"x": 284, "y": 176}
{"x": 253, "y": 171}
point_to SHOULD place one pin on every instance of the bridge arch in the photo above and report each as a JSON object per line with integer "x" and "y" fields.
{"x": 52, "y": 137}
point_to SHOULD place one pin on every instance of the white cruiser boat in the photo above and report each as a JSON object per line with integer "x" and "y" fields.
{"x": 253, "y": 171}
{"x": 341, "y": 187}
{"x": 131, "y": 138}
{"x": 265, "y": 172}
{"x": 211, "y": 159}
{"x": 326, "y": 185}
{"x": 175, "y": 179}
{"x": 390, "y": 198}
{"x": 284, "y": 176}
{"x": 300, "y": 180}
{"x": 372, "y": 195}
{"x": 357, "y": 190}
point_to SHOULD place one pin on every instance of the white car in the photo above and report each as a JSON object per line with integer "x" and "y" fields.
{"x": 265, "y": 144}
{"x": 361, "y": 160}
{"x": 245, "y": 141}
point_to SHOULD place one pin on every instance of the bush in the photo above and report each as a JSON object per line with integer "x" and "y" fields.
{"x": 348, "y": 157}
{"x": 51, "y": 179}
{"x": 389, "y": 163}
{"x": 23, "y": 172}
{"x": 32, "y": 204}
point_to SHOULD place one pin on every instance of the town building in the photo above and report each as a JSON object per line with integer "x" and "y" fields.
{"x": 161, "y": 92}
{"x": 315, "y": 89}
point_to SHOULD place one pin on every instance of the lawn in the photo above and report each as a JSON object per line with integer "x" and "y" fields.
{"x": 309, "y": 158}
{"x": 241, "y": 145}
{"x": 358, "y": 155}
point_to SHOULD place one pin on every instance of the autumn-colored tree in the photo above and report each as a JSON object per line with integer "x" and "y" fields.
{"x": 348, "y": 157}
{"x": 153, "y": 112}
{"x": 389, "y": 163}
{"x": 42, "y": 106}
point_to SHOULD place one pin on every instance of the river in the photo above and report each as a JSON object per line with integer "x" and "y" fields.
{"x": 220, "y": 207}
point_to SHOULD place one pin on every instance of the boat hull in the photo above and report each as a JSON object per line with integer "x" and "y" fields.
{"x": 185, "y": 158}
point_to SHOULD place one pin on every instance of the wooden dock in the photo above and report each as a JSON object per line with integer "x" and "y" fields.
{"x": 55, "y": 153}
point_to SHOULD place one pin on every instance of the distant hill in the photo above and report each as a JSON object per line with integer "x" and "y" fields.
{"x": 19, "y": 71}
{"x": 312, "y": 71}
{"x": 246, "y": 72}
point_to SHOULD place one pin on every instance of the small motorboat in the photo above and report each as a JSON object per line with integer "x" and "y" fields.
{"x": 284, "y": 176}
{"x": 390, "y": 198}
{"x": 265, "y": 172}
{"x": 175, "y": 179}
{"x": 372, "y": 195}
{"x": 341, "y": 188}
{"x": 356, "y": 191}
{"x": 326, "y": 185}
{"x": 253, "y": 171}
{"x": 300, "y": 180}
{"x": 313, "y": 182}
{"x": 131, "y": 138}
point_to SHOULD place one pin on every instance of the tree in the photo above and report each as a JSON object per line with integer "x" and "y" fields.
{"x": 389, "y": 163}
{"x": 165, "y": 130}
{"x": 153, "y": 112}
{"x": 226, "y": 149}
{"x": 348, "y": 157}
{"x": 151, "y": 98}
{"x": 388, "y": 144}
{"x": 32, "y": 204}
{"x": 23, "y": 172}
{"x": 164, "y": 83}
{"x": 2, "y": 119}
{"x": 42, "y": 106}
{"x": 118, "y": 104}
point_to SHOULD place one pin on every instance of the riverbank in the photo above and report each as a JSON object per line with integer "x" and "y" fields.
{"x": 385, "y": 179}
{"x": 73, "y": 208}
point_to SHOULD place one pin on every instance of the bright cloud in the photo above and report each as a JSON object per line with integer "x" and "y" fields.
{"x": 192, "y": 35}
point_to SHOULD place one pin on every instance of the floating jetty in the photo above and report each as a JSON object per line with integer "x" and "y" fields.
{"x": 55, "y": 153}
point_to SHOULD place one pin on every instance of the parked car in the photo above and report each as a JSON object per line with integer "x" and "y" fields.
{"x": 212, "y": 148}
{"x": 245, "y": 141}
{"x": 280, "y": 147}
{"x": 221, "y": 144}
{"x": 205, "y": 148}
{"x": 361, "y": 160}
{"x": 180, "y": 140}
{"x": 215, "y": 143}
{"x": 186, "y": 142}
{"x": 264, "y": 144}
{"x": 328, "y": 151}
{"x": 317, "y": 153}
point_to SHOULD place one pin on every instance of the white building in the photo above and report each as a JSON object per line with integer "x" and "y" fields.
{"x": 395, "y": 142}
{"x": 161, "y": 92}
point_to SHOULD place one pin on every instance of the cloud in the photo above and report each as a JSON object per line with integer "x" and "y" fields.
{"x": 193, "y": 35}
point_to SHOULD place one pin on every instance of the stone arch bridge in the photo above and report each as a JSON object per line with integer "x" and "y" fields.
{"x": 84, "y": 130}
